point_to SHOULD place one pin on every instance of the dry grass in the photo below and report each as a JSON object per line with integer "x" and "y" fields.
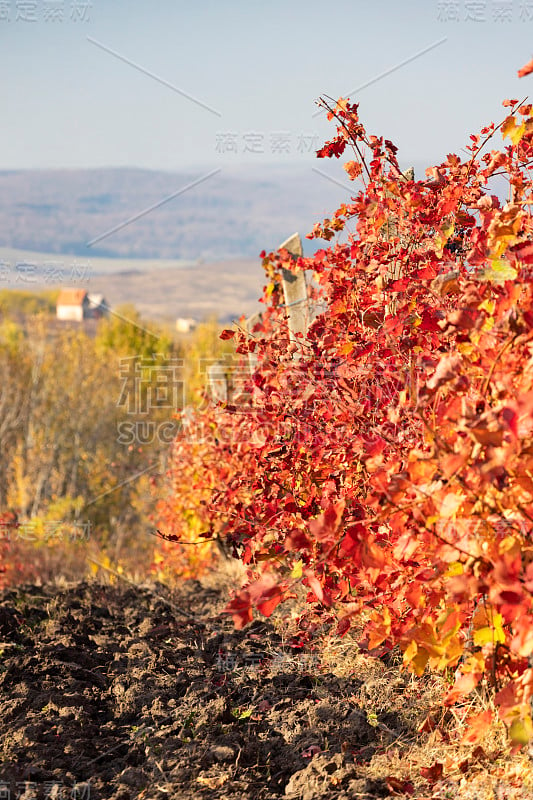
{"x": 399, "y": 705}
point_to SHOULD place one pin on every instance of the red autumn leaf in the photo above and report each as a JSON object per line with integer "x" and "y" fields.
{"x": 511, "y": 418}
{"x": 421, "y": 471}
{"x": 523, "y": 252}
{"x": 399, "y": 786}
{"x": 446, "y": 283}
{"x": 351, "y": 541}
{"x": 433, "y": 773}
{"x": 327, "y": 524}
{"x": 261, "y": 587}
{"x": 526, "y": 69}
{"x": 311, "y": 751}
{"x": 374, "y": 447}
{"x": 484, "y": 435}
{"x": 269, "y": 601}
{"x": 297, "y": 540}
{"x": 452, "y": 463}
{"x": 344, "y": 626}
{"x": 315, "y": 586}
{"x": 465, "y": 318}
{"x": 240, "y": 609}
{"x": 480, "y": 754}
{"x": 227, "y": 334}
{"x": 429, "y": 724}
{"x": 168, "y": 537}
{"x": 372, "y": 555}
{"x": 436, "y": 177}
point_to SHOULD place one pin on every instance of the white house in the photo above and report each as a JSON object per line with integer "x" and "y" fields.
{"x": 77, "y": 305}
{"x": 185, "y": 324}
{"x": 73, "y": 304}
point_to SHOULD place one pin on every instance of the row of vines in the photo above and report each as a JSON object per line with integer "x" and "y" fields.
{"x": 385, "y": 459}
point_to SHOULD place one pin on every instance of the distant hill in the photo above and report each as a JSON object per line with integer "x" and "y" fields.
{"x": 235, "y": 213}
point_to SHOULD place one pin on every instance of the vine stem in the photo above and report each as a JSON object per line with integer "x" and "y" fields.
{"x": 502, "y": 350}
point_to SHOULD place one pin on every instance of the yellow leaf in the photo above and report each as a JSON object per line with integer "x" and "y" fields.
{"x": 346, "y": 349}
{"x": 380, "y": 629}
{"x": 510, "y": 543}
{"x": 499, "y": 272}
{"x": 475, "y": 663}
{"x": 297, "y": 570}
{"x": 418, "y": 663}
{"x": 483, "y": 636}
{"x": 410, "y": 652}
{"x": 487, "y": 305}
{"x": 488, "y": 325}
{"x": 521, "y": 730}
{"x": 489, "y": 635}
{"x": 508, "y": 126}
{"x": 402, "y": 397}
{"x": 447, "y": 229}
{"x": 512, "y": 130}
{"x": 516, "y": 134}
{"x": 454, "y": 569}
{"x": 454, "y": 650}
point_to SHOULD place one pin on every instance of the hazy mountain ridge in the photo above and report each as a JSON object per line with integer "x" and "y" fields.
{"x": 234, "y": 213}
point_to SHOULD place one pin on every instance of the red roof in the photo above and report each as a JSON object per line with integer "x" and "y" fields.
{"x": 71, "y": 297}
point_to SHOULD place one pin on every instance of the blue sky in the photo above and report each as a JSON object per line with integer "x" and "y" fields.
{"x": 69, "y": 102}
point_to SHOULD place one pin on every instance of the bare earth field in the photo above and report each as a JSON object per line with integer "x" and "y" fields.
{"x": 222, "y": 289}
{"x": 159, "y": 289}
{"x": 123, "y": 692}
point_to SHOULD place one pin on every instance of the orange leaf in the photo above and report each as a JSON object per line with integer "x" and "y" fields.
{"x": 421, "y": 471}
{"x": 477, "y": 727}
{"x": 463, "y": 686}
{"x": 353, "y": 168}
{"x": 526, "y": 69}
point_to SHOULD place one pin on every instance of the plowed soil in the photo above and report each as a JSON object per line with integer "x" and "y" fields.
{"x": 138, "y": 692}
